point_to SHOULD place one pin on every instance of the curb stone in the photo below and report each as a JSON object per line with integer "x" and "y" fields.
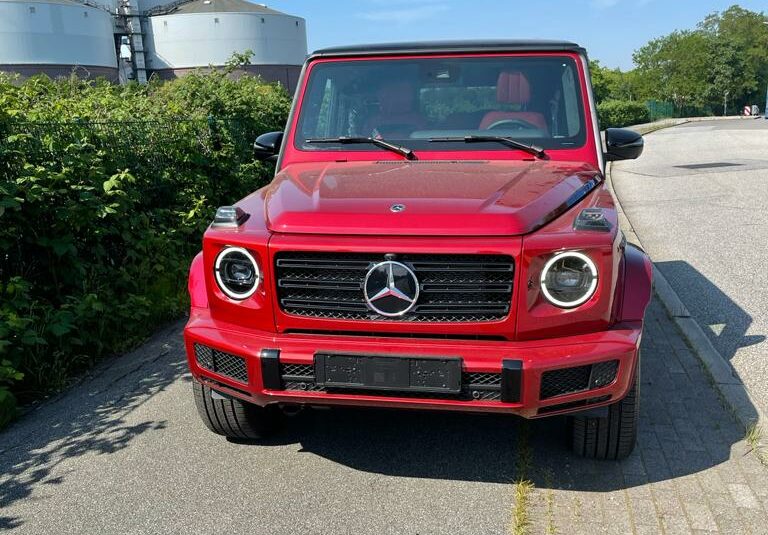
{"x": 732, "y": 391}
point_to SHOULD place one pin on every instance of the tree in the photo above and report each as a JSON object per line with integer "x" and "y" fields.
{"x": 676, "y": 68}
{"x": 611, "y": 84}
{"x": 727, "y": 52}
{"x": 740, "y": 62}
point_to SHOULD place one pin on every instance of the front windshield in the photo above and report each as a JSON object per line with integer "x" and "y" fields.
{"x": 535, "y": 100}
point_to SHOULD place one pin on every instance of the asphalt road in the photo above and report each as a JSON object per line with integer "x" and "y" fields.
{"x": 706, "y": 228}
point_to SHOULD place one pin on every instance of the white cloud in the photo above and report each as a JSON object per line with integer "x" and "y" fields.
{"x": 405, "y": 15}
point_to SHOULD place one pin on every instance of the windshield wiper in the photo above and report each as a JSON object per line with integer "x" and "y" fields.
{"x": 403, "y": 151}
{"x": 530, "y": 149}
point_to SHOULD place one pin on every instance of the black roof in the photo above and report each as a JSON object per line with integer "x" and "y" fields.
{"x": 440, "y": 47}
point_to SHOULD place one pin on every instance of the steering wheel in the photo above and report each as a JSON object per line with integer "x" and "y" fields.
{"x": 513, "y": 124}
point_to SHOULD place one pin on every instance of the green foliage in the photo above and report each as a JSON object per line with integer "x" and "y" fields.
{"x": 8, "y": 375}
{"x": 619, "y": 113}
{"x": 104, "y": 194}
{"x": 689, "y": 72}
{"x": 727, "y": 52}
{"x": 440, "y": 102}
{"x": 612, "y": 84}
{"x": 675, "y": 67}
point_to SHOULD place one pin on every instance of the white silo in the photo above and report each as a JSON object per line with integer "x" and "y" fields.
{"x": 202, "y": 33}
{"x": 56, "y": 37}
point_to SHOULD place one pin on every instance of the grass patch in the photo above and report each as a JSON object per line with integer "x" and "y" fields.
{"x": 520, "y": 517}
{"x": 520, "y": 520}
{"x": 754, "y": 438}
{"x": 550, "y": 503}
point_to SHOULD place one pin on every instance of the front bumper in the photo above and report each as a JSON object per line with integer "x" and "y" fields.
{"x": 571, "y": 355}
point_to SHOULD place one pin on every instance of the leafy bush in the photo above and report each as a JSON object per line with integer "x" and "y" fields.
{"x": 619, "y": 113}
{"x": 104, "y": 194}
{"x": 7, "y": 400}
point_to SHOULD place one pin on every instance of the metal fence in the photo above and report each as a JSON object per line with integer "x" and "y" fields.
{"x": 668, "y": 110}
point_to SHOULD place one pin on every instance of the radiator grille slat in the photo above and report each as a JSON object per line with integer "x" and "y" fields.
{"x": 453, "y": 288}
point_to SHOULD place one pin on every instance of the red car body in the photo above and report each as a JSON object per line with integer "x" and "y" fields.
{"x": 457, "y": 202}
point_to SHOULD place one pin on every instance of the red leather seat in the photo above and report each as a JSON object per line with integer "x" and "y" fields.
{"x": 514, "y": 88}
{"x": 397, "y": 116}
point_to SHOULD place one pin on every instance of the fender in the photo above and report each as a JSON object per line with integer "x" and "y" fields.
{"x": 638, "y": 284}
{"x": 197, "y": 291}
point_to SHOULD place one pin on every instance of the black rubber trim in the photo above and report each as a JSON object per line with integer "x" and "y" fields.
{"x": 270, "y": 369}
{"x": 511, "y": 381}
{"x": 442, "y": 47}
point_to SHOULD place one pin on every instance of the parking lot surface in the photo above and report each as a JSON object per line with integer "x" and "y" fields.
{"x": 124, "y": 452}
{"x": 697, "y": 200}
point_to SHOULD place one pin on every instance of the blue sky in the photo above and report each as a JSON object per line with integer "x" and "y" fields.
{"x": 610, "y": 29}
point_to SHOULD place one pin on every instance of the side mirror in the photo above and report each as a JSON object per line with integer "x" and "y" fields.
{"x": 623, "y": 144}
{"x": 267, "y": 146}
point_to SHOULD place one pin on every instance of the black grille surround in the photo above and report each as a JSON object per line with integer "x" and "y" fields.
{"x": 453, "y": 287}
{"x": 226, "y": 364}
{"x": 474, "y": 385}
{"x": 577, "y": 379}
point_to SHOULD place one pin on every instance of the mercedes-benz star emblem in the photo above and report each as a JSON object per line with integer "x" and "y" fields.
{"x": 391, "y": 289}
{"x": 397, "y": 208}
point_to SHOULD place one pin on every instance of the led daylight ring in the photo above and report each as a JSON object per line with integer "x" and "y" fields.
{"x": 217, "y": 271}
{"x": 590, "y": 291}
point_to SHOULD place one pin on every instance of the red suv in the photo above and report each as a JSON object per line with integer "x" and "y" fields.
{"x": 438, "y": 235}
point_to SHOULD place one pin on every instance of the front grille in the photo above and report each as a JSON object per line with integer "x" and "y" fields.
{"x": 384, "y": 334}
{"x": 452, "y": 288}
{"x": 485, "y": 386}
{"x": 478, "y": 386}
{"x": 222, "y": 363}
{"x": 578, "y": 379}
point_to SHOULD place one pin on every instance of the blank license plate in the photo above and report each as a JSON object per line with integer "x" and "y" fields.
{"x": 403, "y": 374}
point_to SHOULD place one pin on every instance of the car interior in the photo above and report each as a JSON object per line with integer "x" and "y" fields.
{"x": 536, "y": 99}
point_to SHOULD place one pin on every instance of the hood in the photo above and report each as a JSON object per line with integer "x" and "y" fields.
{"x": 466, "y": 198}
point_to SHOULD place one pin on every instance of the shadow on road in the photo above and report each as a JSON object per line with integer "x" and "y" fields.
{"x": 725, "y": 323}
{"x": 683, "y": 430}
{"x": 90, "y": 419}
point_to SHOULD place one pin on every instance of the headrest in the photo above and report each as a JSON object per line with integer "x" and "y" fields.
{"x": 513, "y": 88}
{"x": 396, "y": 98}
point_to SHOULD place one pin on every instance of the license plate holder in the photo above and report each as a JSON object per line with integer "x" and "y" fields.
{"x": 395, "y": 374}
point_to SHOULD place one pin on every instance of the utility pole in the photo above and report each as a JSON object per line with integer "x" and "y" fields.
{"x": 725, "y": 103}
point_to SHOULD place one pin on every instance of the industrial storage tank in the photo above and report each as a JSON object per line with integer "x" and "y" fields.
{"x": 56, "y": 37}
{"x": 203, "y": 33}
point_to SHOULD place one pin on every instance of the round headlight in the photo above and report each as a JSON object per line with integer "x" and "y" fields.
{"x": 237, "y": 273}
{"x": 569, "y": 279}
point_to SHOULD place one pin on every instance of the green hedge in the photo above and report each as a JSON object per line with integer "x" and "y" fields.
{"x": 104, "y": 193}
{"x": 619, "y": 113}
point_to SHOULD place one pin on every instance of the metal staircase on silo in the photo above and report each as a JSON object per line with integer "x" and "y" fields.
{"x": 128, "y": 11}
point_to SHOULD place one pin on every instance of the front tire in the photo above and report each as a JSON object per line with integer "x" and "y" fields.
{"x": 233, "y": 418}
{"x": 611, "y": 437}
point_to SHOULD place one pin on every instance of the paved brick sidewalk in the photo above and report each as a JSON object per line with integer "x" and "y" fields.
{"x": 691, "y": 472}
{"x": 126, "y": 453}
